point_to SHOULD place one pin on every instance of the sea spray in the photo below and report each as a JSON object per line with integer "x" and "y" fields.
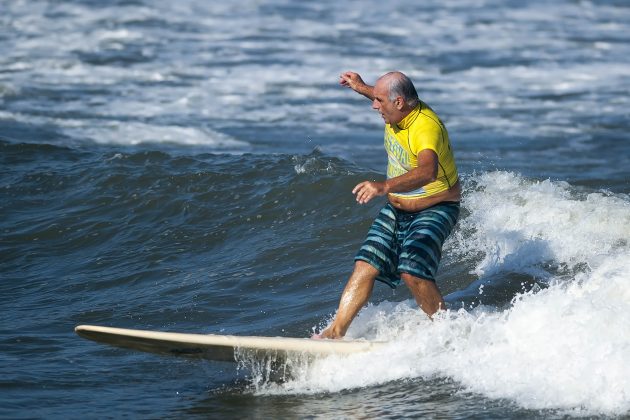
{"x": 563, "y": 347}
{"x": 538, "y": 227}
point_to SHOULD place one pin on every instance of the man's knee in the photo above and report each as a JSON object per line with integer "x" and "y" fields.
{"x": 416, "y": 282}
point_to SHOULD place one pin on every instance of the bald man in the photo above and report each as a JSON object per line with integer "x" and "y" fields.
{"x": 423, "y": 194}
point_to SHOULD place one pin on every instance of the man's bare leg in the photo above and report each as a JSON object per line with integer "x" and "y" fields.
{"x": 426, "y": 293}
{"x": 354, "y": 297}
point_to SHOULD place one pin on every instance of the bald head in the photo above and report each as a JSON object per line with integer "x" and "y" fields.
{"x": 398, "y": 84}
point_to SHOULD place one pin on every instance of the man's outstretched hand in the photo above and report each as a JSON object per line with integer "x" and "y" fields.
{"x": 353, "y": 81}
{"x": 367, "y": 190}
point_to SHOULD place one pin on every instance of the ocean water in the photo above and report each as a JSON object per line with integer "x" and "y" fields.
{"x": 188, "y": 166}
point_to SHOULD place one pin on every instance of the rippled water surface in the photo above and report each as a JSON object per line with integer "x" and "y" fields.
{"x": 188, "y": 166}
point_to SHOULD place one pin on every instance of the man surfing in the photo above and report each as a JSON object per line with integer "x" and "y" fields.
{"x": 423, "y": 193}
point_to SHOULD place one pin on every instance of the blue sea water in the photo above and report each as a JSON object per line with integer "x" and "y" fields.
{"x": 188, "y": 166}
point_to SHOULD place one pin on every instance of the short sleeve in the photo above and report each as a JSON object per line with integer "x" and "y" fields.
{"x": 429, "y": 136}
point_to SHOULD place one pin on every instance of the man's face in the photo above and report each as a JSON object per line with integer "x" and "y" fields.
{"x": 389, "y": 110}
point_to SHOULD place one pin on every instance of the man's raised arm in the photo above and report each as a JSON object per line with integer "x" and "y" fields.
{"x": 354, "y": 82}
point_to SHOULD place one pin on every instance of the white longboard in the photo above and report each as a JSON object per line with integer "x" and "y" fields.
{"x": 220, "y": 347}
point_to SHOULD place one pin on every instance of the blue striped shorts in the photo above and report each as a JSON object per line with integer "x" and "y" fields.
{"x": 401, "y": 242}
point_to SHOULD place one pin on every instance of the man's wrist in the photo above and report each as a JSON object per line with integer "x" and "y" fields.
{"x": 386, "y": 186}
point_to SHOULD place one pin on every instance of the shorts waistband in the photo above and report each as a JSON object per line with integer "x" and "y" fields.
{"x": 441, "y": 203}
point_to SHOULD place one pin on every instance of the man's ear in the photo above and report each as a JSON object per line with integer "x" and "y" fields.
{"x": 400, "y": 103}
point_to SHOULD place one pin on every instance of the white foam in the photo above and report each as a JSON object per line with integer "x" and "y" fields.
{"x": 308, "y": 64}
{"x": 563, "y": 348}
{"x": 134, "y": 133}
{"x": 520, "y": 224}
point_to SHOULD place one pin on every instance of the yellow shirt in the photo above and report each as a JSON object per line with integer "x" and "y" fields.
{"x": 420, "y": 130}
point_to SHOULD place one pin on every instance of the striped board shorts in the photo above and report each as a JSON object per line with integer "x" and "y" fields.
{"x": 401, "y": 242}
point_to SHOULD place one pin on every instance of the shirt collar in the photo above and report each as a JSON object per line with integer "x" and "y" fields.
{"x": 406, "y": 122}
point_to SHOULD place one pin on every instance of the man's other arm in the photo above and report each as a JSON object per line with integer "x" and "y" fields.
{"x": 354, "y": 82}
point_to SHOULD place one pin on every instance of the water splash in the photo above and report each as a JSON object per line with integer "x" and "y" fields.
{"x": 560, "y": 348}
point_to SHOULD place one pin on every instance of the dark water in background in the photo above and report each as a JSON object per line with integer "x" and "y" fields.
{"x": 188, "y": 167}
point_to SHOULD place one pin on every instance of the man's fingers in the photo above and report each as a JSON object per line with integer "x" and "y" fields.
{"x": 363, "y": 193}
{"x": 348, "y": 79}
{"x": 367, "y": 190}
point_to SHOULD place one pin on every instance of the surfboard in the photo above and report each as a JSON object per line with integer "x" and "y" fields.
{"x": 221, "y": 347}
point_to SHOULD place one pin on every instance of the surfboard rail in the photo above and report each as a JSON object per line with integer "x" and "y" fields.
{"x": 219, "y": 347}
